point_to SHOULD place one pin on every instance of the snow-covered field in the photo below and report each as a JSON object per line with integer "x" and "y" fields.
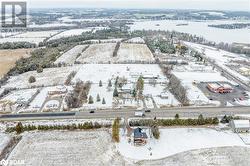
{"x": 221, "y": 58}
{"x": 97, "y": 53}
{"x": 70, "y": 56}
{"x": 66, "y": 148}
{"x": 195, "y": 95}
{"x": 50, "y": 25}
{"x": 134, "y": 53}
{"x": 32, "y": 37}
{"x": 71, "y": 32}
{"x": 96, "y": 72}
{"x": 177, "y": 140}
{"x": 20, "y": 96}
{"x": 103, "y": 53}
{"x": 136, "y": 40}
{"x": 49, "y": 77}
{"x": 4, "y": 140}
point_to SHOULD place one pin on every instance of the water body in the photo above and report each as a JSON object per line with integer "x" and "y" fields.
{"x": 199, "y": 28}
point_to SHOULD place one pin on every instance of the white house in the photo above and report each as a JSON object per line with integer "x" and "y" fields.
{"x": 239, "y": 126}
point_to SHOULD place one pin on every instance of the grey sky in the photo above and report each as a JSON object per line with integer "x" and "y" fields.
{"x": 243, "y": 5}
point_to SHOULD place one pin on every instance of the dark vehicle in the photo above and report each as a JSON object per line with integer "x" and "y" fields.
{"x": 147, "y": 110}
{"x": 92, "y": 112}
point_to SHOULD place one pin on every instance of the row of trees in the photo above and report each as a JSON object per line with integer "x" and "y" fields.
{"x": 176, "y": 122}
{"x": 16, "y": 45}
{"x": 177, "y": 89}
{"x": 19, "y": 128}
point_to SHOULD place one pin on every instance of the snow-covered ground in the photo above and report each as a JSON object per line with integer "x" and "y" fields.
{"x": 96, "y": 72}
{"x": 97, "y": 53}
{"x": 134, "y": 53}
{"x": 160, "y": 95}
{"x": 221, "y": 58}
{"x": 70, "y": 56}
{"x": 20, "y": 96}
{"x": 189, "y": 81}
{"x": 42, "y": 79}
{"x": 136, "y": 40}
{"x": 4, "y": 140}
{"x": 50, "y": 25}
{"x": 103, "y": 53}
{"x": 103, "y": 92}
{"x": 71, "y": 32}
{"x": 95, "y": 41}
{"x": 32, "y": 37}
{"x": 177, "y": 140}
{"x": 66, "y": 148}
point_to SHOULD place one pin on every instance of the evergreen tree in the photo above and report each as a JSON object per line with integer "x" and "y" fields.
{"x": 91, "y": 100}
{"x": 98, "y": 98}
{"x": 109, "y": 84}
{"x": 100, "y": 83}
{"x": 115, "y": 93}
{"x": 19, "y": 128}
{"x": 177, "y": 116}
{"x": 103, "y": 101}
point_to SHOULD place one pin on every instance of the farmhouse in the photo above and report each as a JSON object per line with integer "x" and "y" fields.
{"x": 239, "y": 126}
{"x": 219, "y": 87}
{"x": 140, "y": 137}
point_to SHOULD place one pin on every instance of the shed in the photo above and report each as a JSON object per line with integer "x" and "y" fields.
{"x": 239, "y": 126}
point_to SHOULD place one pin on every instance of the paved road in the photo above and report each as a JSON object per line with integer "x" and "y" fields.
{"x": 186, "y": 112}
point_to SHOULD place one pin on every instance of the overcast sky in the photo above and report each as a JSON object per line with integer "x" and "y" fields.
{"x": 240, "y": 5}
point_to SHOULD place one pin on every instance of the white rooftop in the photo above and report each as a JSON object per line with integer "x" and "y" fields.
{"x": 241, "y": 123}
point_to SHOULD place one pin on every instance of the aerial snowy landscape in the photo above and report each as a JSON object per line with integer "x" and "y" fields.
{"x": 125, "y": 83}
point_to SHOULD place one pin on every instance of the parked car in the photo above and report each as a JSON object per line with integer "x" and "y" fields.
{"x": 147, "y": 110}
{"x": 139, "y": 114}
{"x": 92, "y": 111}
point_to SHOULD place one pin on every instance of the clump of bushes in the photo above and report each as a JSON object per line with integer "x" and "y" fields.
{"x": 32, "y": 79}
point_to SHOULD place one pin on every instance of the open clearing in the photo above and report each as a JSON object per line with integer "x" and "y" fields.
{"x": 32, "y": 37}
{"x": 70, "y": 56}
{"x": 96, "y": 72}
{"x": 66, "y": 148}
{"x": 98, "y": 53}
{"x": 9, "y": 57}
{"x": 103, "y": 53}
{"x": 49, "y": 77}
{"x": 134, "y": 53}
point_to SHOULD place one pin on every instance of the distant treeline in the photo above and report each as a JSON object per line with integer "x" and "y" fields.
{"x": 231, "y": 26}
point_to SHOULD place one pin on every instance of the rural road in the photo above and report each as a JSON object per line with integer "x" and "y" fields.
{"x": 187, "y": 112}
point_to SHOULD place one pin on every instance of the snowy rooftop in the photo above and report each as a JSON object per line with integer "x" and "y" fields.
{"x": 241, "y": 123}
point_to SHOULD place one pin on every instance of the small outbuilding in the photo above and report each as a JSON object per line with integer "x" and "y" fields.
{"x": 240, "y": 126}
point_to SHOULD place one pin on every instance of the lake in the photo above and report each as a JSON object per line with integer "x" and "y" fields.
{"x": 199, "y": 28}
